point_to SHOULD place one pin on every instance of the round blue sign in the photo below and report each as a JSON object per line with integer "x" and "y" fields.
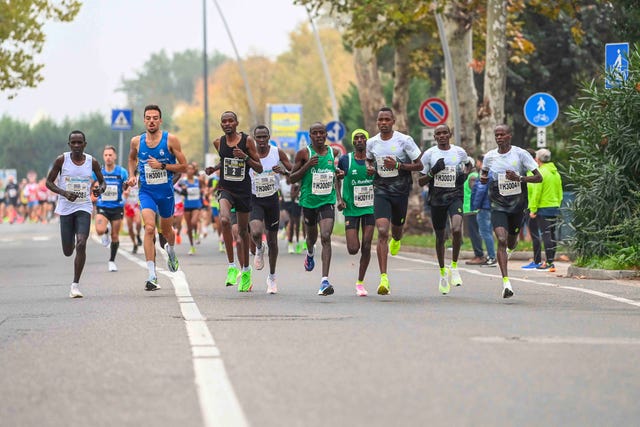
{"x": 541, "y": 109}
{"x": 335, "y": 131}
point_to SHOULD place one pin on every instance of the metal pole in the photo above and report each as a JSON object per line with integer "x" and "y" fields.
{"x": 205, "y": 76}
{"x": 252, "y": 107}
{"x": 120, "y": 147}
{"x": 451, "y": 79}
{"x": 325, "y": 68}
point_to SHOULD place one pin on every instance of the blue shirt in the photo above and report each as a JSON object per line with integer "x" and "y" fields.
{"x": 112, "y": 196}
{"x": 152, "y": 179}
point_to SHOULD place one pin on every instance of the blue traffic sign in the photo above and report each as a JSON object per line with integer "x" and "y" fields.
{"x": 121, "y": 119}
{"x": 335, "y": 131}
{"x": 541, "y": 109}
{"x": 616, "y": 60}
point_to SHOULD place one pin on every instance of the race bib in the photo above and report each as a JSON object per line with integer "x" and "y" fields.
{"x": 155, "y": 176}
{"x": 506, "y": 187}
{"x": 233, "y": 169}
{"x": 446, "y": 178}
{"x": 12, "y": 192}
{"x": 110, "y": 194}
{"x": 265, "y": 185}
{"x": 384, "y": 172}
{"x": 321, "y": 183}
{"x": 363, "y": 196}
{"x": 78, "y": 186}
{"x": 193, "y": 193}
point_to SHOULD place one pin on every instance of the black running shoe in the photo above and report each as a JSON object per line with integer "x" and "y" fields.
{"x": 151, "y": 285}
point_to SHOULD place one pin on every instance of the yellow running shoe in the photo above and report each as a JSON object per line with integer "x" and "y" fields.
{"x": 443, "y": 285}
{"x": 383, "y": 287}
{"x": 394, "y": 246}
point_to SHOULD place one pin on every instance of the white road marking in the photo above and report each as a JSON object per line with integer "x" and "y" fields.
{"x": 559, "y": 340}
{"x": 40, "y": 238}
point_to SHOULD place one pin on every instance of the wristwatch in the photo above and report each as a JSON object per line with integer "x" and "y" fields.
{"x": 163, "y": 165}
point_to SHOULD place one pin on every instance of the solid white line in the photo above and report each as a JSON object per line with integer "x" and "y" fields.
{"x": 559, "y": 340}
{"x": 219, "y": 404}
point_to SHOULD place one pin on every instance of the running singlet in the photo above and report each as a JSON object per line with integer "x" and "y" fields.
{"x": 75, "y": 179}
{"x": 266, "y": 183}
{"x": 402, "y": 148}
{"x": 155, "y": 179}
{"x": 234, "y": 176}
{"x": 193, "y": 199}
{"x": 357, "y": 186}
{"x": 448, "y": 184}
{"x": 317, "y": 186}
{"x": 112, "y": 196}
{"x": 506, "y": 195}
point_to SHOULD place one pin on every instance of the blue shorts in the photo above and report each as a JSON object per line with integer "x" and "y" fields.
{"x": 162, "y": 203}
{"x": 215, "y": 211}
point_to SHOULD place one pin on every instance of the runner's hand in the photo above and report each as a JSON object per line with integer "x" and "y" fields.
{"x": 439, "y": 166}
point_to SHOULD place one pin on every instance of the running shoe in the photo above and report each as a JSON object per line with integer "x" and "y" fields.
{"x": 138, "y": 240}
{"x": 151, "y": 285}
{"x": 245, "y": 281}
{"x": 325, "y": 288}
{"x": 232, "y": 276}
{"x": 258, "y": 260}
{"x": 490, "y": 262}
{"x": 455, "y": 278}
{"x": 113, "y": 266}
{"x": 361, "y": 291}
{"x": 298, "y": 248}
{"x": 394, "y": 246}
{"x": 507, "y": 291}
{"x": 135, "y": 249}
{"x": 546, "y": 267}
{"x": 304, "y": 246}
{"x": 291, "y": 249}
{"x": 272, "y": 287}
{"x": 172, "y": 260}
{"x": 192, "y": 250}
{"x": 383, "y": 287}
{"x": 221, "y": 247}
{"x": 443, "y": 285}
{"x": 532, "y": 265}
{"x": 178, "y": 239}
{"x": 74, "y": 292}
{"x": 106, "y": 238}
{"x": 309, "y": 263}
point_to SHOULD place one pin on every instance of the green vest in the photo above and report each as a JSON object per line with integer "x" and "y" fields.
{"x": 357, "y": 189}
{"x": 466, "y": 203}
{"x": 318, "y": 187}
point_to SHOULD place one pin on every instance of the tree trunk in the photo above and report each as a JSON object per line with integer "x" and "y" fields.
{"x": 401, "y": 87}
{"x": 369, "y": 86}
{"x": 491, "y": 111}
{"x": 457, "y": 25}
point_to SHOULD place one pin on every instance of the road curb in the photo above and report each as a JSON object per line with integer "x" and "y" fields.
{"x": 599, "y": 274}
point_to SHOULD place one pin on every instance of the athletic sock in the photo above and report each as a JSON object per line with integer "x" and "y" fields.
{"x": 114, "y": 250}
{"x": 272, "y": 276}
{"x": 443, "y": 271}
{"x": 454, "y": 264}
{"x": 170, "y": 251}
{"x": 151, "y": 266}
{"x": 359, "y": 282}
{"x": 247, "y": 268}
{"x": 324, "y": 278}
{"x": 505, "y": 279}
{"x": 232, "y": 264}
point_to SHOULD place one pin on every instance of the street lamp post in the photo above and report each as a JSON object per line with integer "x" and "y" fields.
{"x": 205, "y": 77}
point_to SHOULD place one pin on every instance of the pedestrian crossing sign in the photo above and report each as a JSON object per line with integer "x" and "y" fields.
{"x": 121, "y": 119}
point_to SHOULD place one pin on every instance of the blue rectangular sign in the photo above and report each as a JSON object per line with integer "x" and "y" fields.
{"x": 616, "y": 60}
{"x": 121, "y": 119}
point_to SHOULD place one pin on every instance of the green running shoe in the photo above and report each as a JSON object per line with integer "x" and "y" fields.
{"x": 383, "y": 287}
{"x": 394, "y": 246}
{"x": 172, "y": 260}
{"x": 245, "y": 281}
{"x": 232, "y": 276}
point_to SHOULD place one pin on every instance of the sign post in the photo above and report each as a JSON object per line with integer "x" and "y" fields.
{"x": 541, "y": 110}
{"x": 121, "y": 120}
{"x": 433, "y": 112}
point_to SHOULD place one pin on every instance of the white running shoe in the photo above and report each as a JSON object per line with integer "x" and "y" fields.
{"x": 106, "y": 238}
{"x": 455, "y": 279}
{"x": 258, "y": 260}
{"x": 75, "y": 291}
{"x": 272, "y": 287}
{"x": 113, "y": 266}
{"x": 443, "y": 285}
{"x": 507, "y": 291}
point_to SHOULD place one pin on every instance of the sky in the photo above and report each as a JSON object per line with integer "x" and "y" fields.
{"x": 86, "y": 59}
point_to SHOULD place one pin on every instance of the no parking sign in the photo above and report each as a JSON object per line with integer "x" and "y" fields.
{"x": 433, "y": 112}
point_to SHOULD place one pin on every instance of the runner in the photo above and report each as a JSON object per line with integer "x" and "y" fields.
{"x": 392, "y": 156}
{"x": 265, "y": 205}
{"x": 505, "y": 168}
{"x": 157, "y": 155}
{"x": 73, "y": 170}
{"x": 191, "y": 191}
{"x": 445, "y": 169}
{"x": 237, "y": 153}
{"x": 355, "y": 200}
{"x": 132, "y": 215}
{"x": 110, "y": 204}
{"x": 315, "y": 169}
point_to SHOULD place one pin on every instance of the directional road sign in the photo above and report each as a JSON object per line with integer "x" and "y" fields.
{"x": 541, "y": 109}
{"x": 335, "y": 131}
{"x": 616, "y": 60}
{"x": 121, "y": 119}
{"x": 433, "y": 112}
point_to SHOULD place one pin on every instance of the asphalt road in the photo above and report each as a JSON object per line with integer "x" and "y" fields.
{"x": 562, "y": 351}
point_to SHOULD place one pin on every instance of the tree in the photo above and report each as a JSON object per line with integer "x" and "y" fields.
{"x": 22, "y": 38}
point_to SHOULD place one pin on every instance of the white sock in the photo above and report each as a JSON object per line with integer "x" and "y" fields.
{"x": 260, "y": 248}
{"x": 151, "y": 266}
{"x": 232, "y": 264}
{"x": 272, "y": 276}
{"x": 324, "y": 278}
{"x": 247, "y": 268}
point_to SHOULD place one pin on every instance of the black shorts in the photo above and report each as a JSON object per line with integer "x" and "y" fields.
{"x": 439, "y": 214}
{"x": 266, "y": 209}
{"x": 313, "y": 215}
{"x": 511, "y": 221}
{"x": 242, "y": 203}
{"x": 353, "y": 222}
{"x": 112, "y": 214}
{"x": 294, "y": 210}
{"x": 73, "y": 224}
{"x": 391, "y": 207}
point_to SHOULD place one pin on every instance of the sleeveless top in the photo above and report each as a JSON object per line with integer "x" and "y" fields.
{"x": 357, "y": 188}
{"x": 317, "y": 187}
{"x": 76, "y": 179}
{"x": 193, "y": 198}
{"x": 266, "y": 183}
{"x": 234, "y": 176}
{"x": 155, "y": 179}
{"x": 112, "y": 196}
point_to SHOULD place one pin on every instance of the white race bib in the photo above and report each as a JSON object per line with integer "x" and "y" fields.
{"x": 321, "y": 183}
{"x": 384, "y": 172}
{"x": 79, "y": 186}
{"x": 446, "y": 178}
{"x": 265, "y": 184}
{"x": 193, "y": 193}
{"x": 363, "y": 196}
{"x": 155, "y": 176}
{"x": 233, "y": 169}
{"x": 110, "y": 194}
{"x": 506, "y": 187}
